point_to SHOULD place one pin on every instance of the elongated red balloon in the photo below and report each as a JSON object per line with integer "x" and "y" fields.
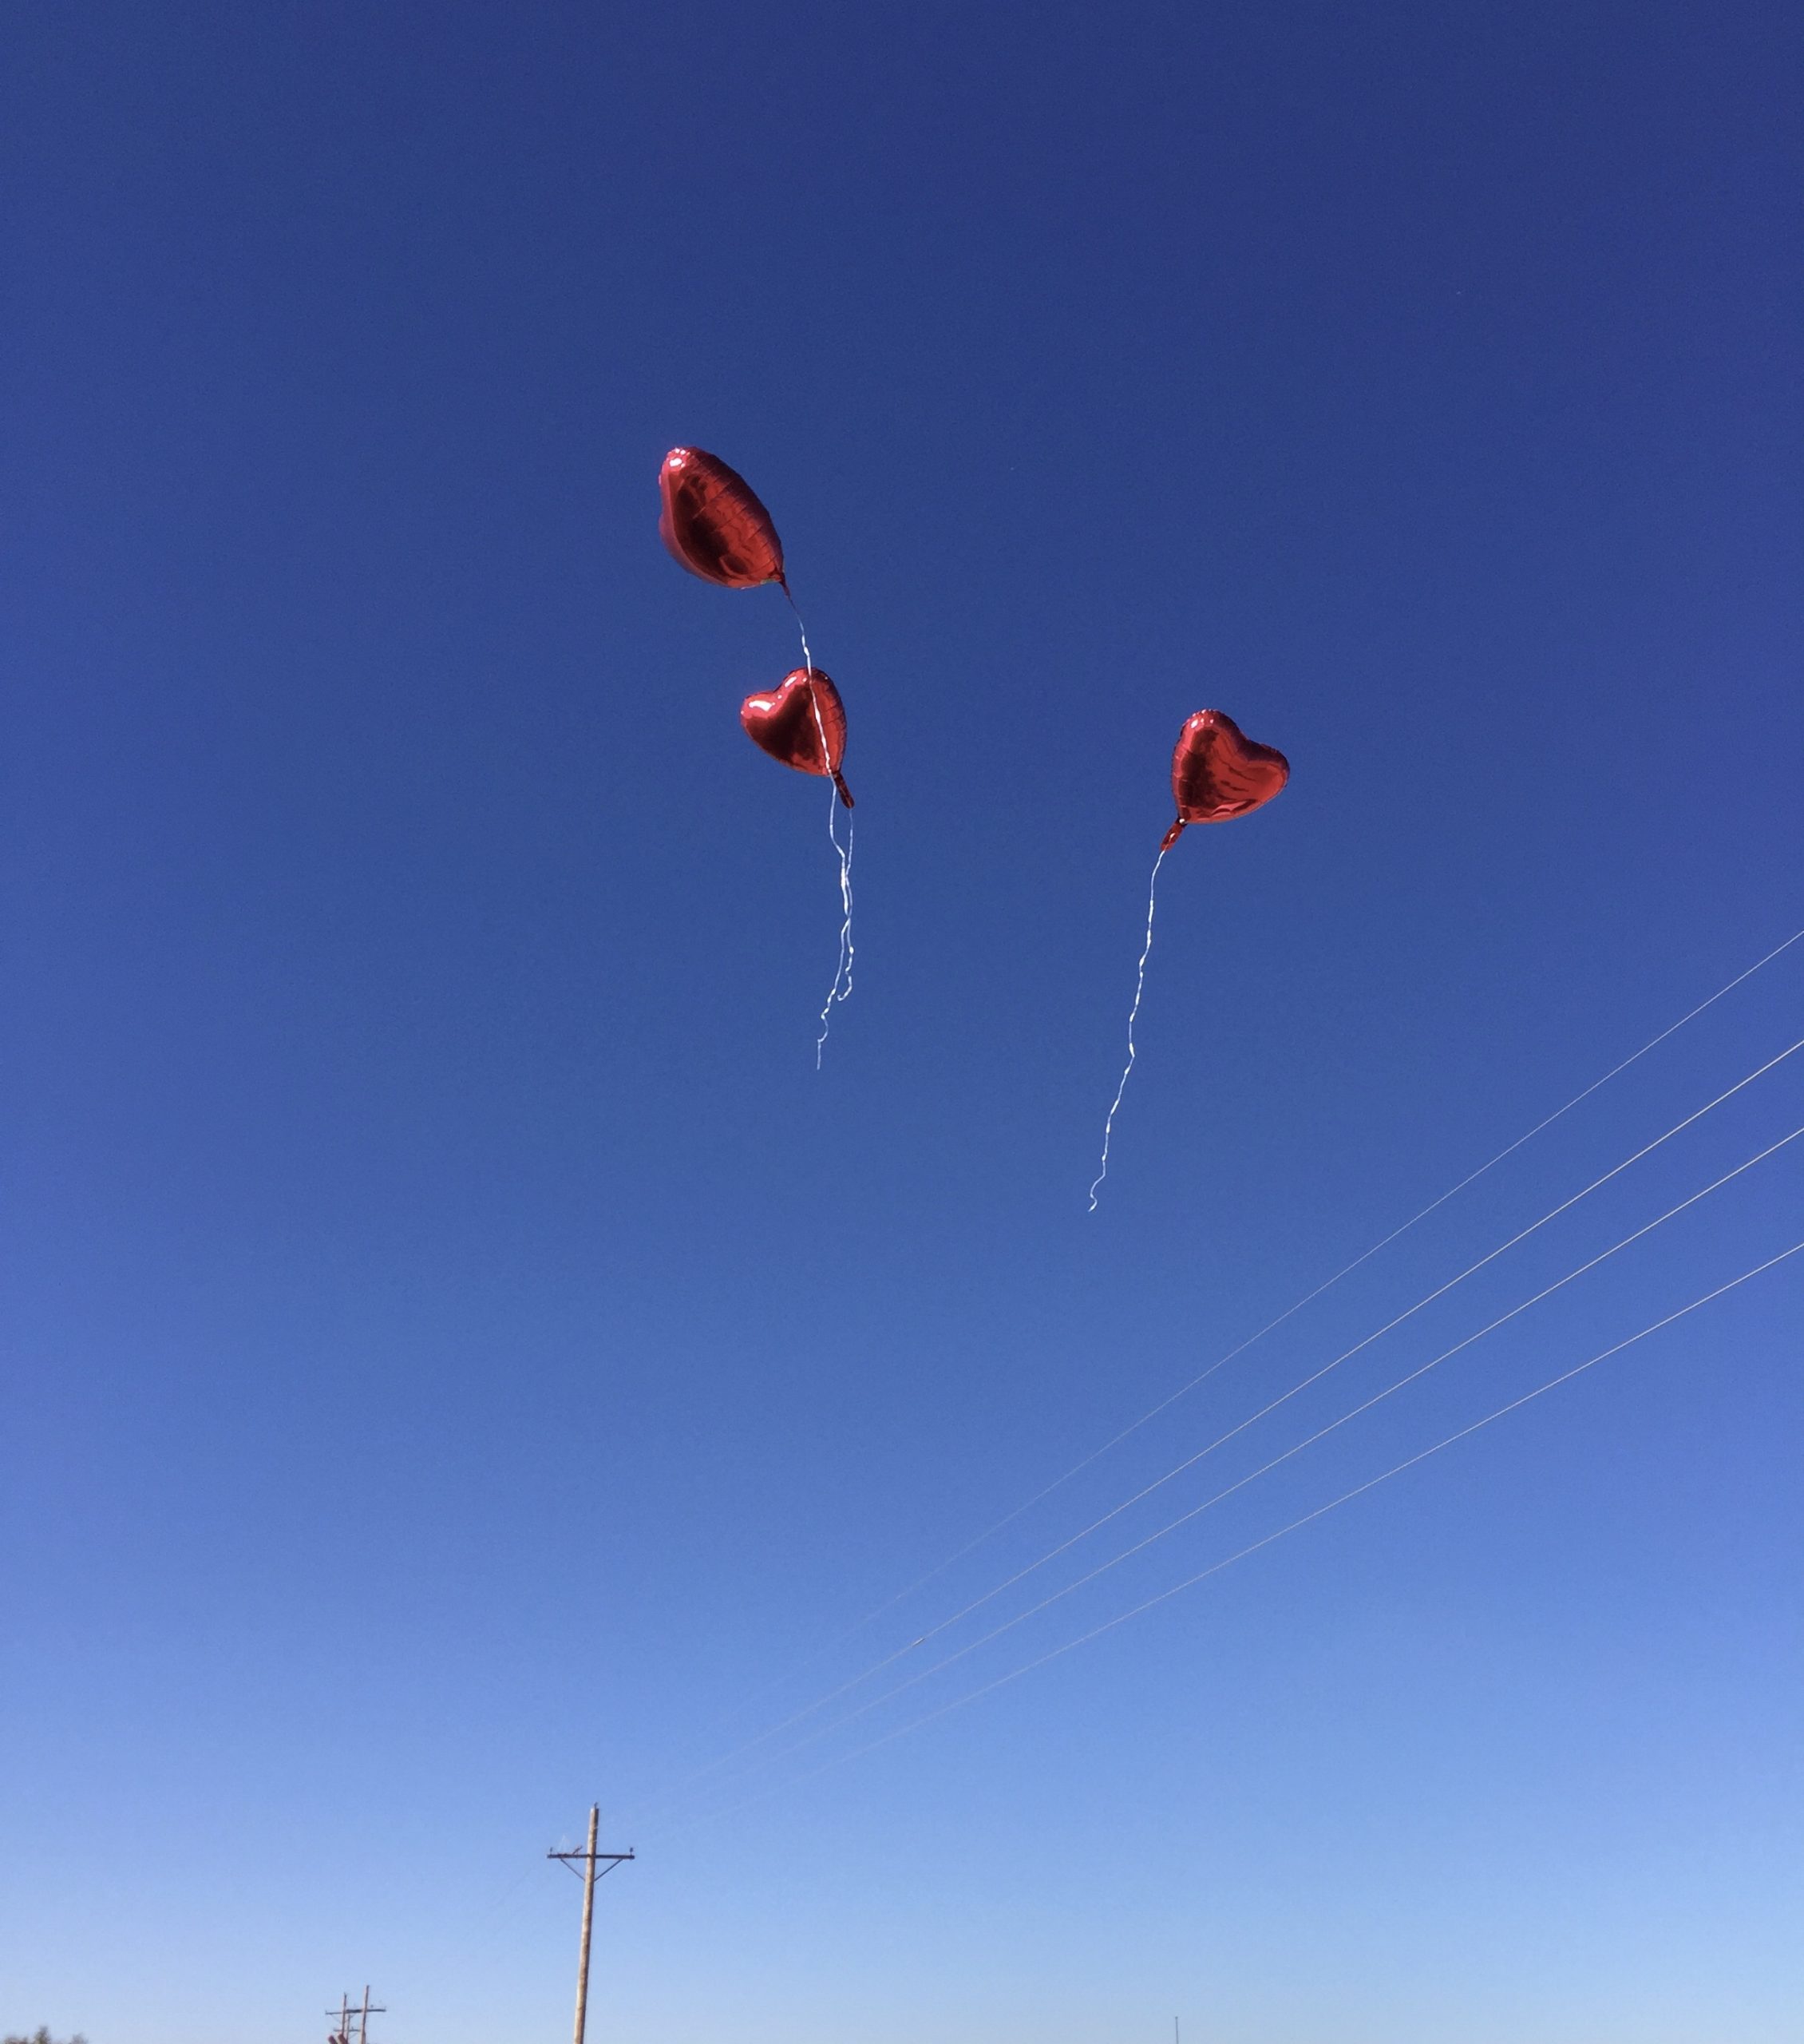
{"x": 713, "y": 524}
{"x": 1218, "y": 773}
{"x": 791, "y": 722}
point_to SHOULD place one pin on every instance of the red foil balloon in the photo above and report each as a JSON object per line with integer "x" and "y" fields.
{"x": 1218, "y": 773}
{"x": 791, "y": 722}
{"x": 712, "y": 523}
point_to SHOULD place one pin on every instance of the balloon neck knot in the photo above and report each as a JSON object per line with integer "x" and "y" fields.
{"x": 1172, "y": 835}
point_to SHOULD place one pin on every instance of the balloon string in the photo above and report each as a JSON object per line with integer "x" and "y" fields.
{"x": 801, "y": 626}
{"x": 842, "y": 969}
{"x": 841, "y": 987}
{"x": 1139, "y": 987}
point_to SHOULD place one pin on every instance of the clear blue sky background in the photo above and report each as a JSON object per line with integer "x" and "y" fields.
{"x": 461, "y": 1359}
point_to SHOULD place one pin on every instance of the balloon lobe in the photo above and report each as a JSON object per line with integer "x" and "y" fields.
{"x": 713, "y": 524}
{"x": 1218, "y": 773}
{"x": 802, "y": 722}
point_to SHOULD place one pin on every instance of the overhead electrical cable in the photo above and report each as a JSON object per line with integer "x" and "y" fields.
{"x": 1308, "y": 1298}
{"x": 1184, "y": 1518}
{"x": 1271, "y": 1326}
{"x": 1441, "y": 1291}
{"x": 1241, "y": 1554}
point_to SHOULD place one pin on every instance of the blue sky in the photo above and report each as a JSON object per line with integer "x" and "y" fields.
{"x": 462, "y": 1361}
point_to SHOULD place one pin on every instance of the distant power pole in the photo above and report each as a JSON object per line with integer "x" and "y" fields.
{"x": 589, "y": 1858}
{"x": 353, "y": 2024}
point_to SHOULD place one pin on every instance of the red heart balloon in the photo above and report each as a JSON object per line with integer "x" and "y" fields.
{"x": 1218, "y": 773}
{"x": 802, "y": 723}
{"x": 712, "y": 522}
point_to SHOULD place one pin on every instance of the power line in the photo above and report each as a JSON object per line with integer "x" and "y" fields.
{"x": 1253, "y": 1548}
{"x": 1346, "y": 1270}
{"x": 1441, "y": 1291}
{"x": 1153, "y": 1412}
{"x": 1183, "y": 1518}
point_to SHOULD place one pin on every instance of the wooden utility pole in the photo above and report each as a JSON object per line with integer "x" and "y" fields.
{"x": 588, "y": 1924}
{"x": 590, "y": 1859}
{"x": 346, "y": 2033}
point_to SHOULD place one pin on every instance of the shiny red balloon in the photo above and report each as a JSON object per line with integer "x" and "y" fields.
{"x": 802, "y": 723}
{"x": 1218, "y": 773}
{"x": 712, "y": 522}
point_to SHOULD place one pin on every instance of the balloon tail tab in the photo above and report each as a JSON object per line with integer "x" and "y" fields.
{"x": 1171, "y": 836}
{"x": 846, "y": 793}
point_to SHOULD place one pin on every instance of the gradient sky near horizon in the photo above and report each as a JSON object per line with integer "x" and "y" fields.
{"x": 461, "y": 1360}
